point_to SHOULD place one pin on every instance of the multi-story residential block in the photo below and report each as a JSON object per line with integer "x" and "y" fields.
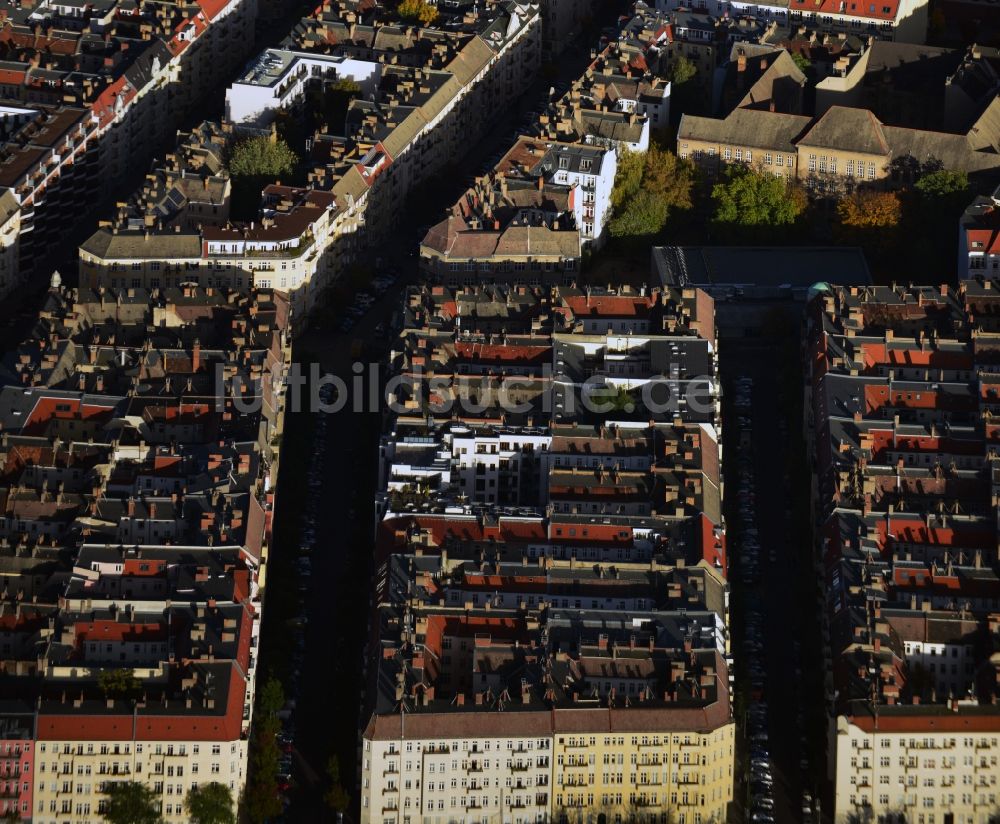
{"x": 422, "y": 116}
{"x": 904, "y": 21}
{"x": 529, "y": 221}
{"x": 137, "y": 534}
{"x": 10, "y": 239}
{"x": 107, "y": 96}
{"x": 17, "y": 763}
{"x": 278, "y": 79}
{"x": 978, "y": 240}
{"x": 566, "y": 569}
{"x": 902, "y": 389}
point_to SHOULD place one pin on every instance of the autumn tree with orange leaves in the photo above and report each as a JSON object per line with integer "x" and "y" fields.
{"x": 868, "y": 209}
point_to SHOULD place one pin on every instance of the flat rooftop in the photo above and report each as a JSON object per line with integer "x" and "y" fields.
{"x": 762, "y": 266}
{"x": 271, "y": 66}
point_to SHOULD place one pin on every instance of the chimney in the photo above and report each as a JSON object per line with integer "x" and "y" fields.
{"x": 196, "y": 356}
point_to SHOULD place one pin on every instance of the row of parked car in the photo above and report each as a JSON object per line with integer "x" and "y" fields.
{"x": 364, "y": 300}
{"x": 303, "y": 569}
{"x": 761, "y": 767}
{"x": 761, "y": 778}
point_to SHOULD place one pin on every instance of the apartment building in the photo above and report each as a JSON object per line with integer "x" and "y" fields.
{"x": 107, "y": 94}
{"x": 978, "y": 247}
{"x": 520, "y": 235}
{"x": 529, "y": 221}
{"x": 904, "y": 21}
{"x": 551, "y": 603}
{"x": 10, "y": 239}
{"x": 920, "y": 761}
{"x": 278, "y": 79}
{"x": 17, "y": 763}
{"x": 138, "y": 531}
{"x": 303, "y": 238}
{"x": 906, "y": 535}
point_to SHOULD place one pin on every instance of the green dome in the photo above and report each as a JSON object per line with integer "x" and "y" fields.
{"x": 821, "y": 287}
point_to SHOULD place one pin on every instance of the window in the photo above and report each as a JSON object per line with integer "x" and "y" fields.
{"x": 739, "y": 154}
{"x": 767, "y": 159}
{"x": 812, "y": 163}
{"x": 850, "y": 168}
{"x": 749, "y": 156}
{"x": 727, "y": 153}
{"x": 781, "y": 160}
{"x": 871, "y": 171}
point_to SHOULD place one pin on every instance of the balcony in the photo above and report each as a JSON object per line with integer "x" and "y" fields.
{"x": 519, "y": 766}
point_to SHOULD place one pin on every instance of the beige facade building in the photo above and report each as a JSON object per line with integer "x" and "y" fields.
{"x": 70, "y": 774}
{"x": 842, "y": 148}
{"x": 10, "y": 235}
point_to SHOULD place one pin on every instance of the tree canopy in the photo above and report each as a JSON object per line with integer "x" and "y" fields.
{"x": 748, "y": 198}
{"x": 943, "y": 184}
{"x": 336, "y": 797}
{"x": 117, "y": 683}
{"x": 800, "y": 60}
{"x": 648, "y": 187}
{"x": 261, "y": 157}
{"x": 682, "y": 70}
{"x": 210, "y": 804}
{"x": 419, "y": 11}
{"x": 869, "y": 209}
{"x": 261, "y": 800}
{"x": 131, "y": 802}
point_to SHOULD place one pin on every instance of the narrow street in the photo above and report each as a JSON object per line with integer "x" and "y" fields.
{"x": 773, "y": 596}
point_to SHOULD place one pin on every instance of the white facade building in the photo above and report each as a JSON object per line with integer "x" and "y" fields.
{"x": 935, "y": 764}
{"x": 277, "y": 79}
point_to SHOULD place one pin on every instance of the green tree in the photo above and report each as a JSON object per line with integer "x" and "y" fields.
{"x": 260, "y": 799}
{"x": 130, "y": 802}
{"x": 210, "y": 804}
{"x": 253, "y": 164}
{"x": 803, "y": 62}
{"x": 336, "y": 797}
{"x": 262, "y": 157}
{"x": 644, "y": 215}
{"x": 419, "y": 11}
{"x": 272, "y": 697}
{"x": 682, "y": 71}
{"x": 648, "y": 187}
{"x": 628, "y": 177}
{"x": 943, "y": 184}
{"x": 754, "y": 200}
{"x": 117, "y": 683}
